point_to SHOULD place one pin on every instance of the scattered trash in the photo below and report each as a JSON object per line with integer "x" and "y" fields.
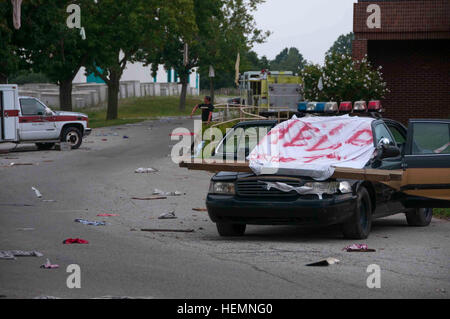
{"x": 75, "y": 241}
{"x": 65, "y": 147}
{"x": 46, "y": 297}
{"x": 48, "y": 200}
{"x": 107, "y": 215}
{"x": 441, "y": 290}
{"x": 37, "y": 192}
{"x": 169, "y": 230}
{"x": 325, "y": 263}
{"x": 21, "y": 164}
{"x": 200, "y": 209}
{"x": 90, "y": 223}
{"x": 11, "y": 254}
{"x": 150, "y": 198}
{"x": 169, "y": 215}
{"x": 104, "y": 139}
{"x": 48, "y": 265}
{"x": 145, "y": 170}
{"x": 359, "y": 248}
{"x": 25, "y": 229}
{"x": 47, "y": 161}
{"x": 125, "y": 137}
{"x": 162, "y": 193}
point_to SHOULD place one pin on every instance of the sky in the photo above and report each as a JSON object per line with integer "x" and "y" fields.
{"x": 310, "y": 25}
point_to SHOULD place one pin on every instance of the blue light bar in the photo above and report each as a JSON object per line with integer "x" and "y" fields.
{"x": 302, "y": 106}
{"x": 320, "y": 107}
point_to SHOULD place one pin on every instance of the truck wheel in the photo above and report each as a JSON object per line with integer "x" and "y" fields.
{"x": 44, "y": 146}
{"x": 230, "y": 230}
{"x": 73, "y": 136}
{"x": 359, "y": 225}
{"x": 419, "y": 217}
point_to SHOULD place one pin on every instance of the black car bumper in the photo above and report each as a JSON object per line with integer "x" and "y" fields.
{"x": 308, "y": 212}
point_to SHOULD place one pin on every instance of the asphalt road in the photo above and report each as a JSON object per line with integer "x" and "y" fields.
{"x": 269, "y": 262}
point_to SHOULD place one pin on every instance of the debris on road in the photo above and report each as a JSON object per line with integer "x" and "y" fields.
{"x": 48, "y": 200}
{"x": 64, "y": 147}
{"x": 145, "y": 170}
{"x": 37, "y": 192}
{"x": 75, "y": 241}
{"x": 359, "y": 248}
{"x": 49, "y": 265}
{"x": 169, "y": 215}
{"x": 25, "y": 229}
{"x": 11, "y": 254}
{"x": 90, "y": 223}
{"x": 200, "y": 209}
{"x": 169, "y": 230}
{"x": 325, "y": 263}
{"x": 162, "y": 193}
{"x": 149, "y": 198}
{"x": 20, "y": 164}
{"x": 108, "y": 215}
{"x": 126, "y": 137}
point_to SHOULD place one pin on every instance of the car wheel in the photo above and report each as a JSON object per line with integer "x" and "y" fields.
{"x": 419, "y": 217}
{"x": 44, "y": 146}
{"x": 230, "y": 230}
{"x": 359, "y": 225}
{"x": 72, "y": 135}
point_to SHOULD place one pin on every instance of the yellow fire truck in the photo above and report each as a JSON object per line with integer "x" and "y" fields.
{"x": 271, "y": 89}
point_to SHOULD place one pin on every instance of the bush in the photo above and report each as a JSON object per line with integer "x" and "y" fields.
{"x": 344, "y": 79}
{"x": 24, "y": 77}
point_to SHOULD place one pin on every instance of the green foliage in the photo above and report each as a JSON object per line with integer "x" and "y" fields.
{"x": 288, "y": 60}
{"x": 343, "y": 44}
{"x": 343, "y": 80}
{"x": 24, "y": 77}
{"x": 9, "y": 61}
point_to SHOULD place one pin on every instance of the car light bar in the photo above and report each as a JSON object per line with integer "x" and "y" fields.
{"x": 311, "y": 107}
{"x": 331, "y": 107}
{"x": 302, "y": 106}
{"x": 320, "y": 107}
{"x": 360, "y": 106}
{"x": 345, "y": 107}
{"x": 375, "y": 106}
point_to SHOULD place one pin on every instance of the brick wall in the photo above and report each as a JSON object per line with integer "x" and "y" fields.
{"x": 413, "y": 48}
{"x": 418, "y": 74}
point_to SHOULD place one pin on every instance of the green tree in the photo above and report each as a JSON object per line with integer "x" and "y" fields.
{"x": 9, "y": 61}
{"x": 48, "y": 46}
{"x": 290, "y": 59}
{"x": 122, "y": 32}
{"x": 343, "y": 44}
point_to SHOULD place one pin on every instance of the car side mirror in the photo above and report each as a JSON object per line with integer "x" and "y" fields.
{"x": 388, "y": 151}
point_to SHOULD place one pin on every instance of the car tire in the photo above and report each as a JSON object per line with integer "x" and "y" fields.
{"x": 359, "y": 225}
{"x": 73, "y": 136}
{"x": 231, "y": 230}
{"x": 44, "y": 146}
{"x": 419, "y": 217}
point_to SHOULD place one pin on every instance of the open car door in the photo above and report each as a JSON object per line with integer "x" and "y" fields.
{"x": 426, "y": 164}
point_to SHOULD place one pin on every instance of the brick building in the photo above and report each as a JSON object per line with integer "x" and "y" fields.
{"x": 410, "y": 39}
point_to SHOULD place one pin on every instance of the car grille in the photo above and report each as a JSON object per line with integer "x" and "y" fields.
{"x": 257, "y": 188}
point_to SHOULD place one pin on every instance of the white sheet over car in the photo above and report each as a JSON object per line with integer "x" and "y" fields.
{"x": 314, "y": 146}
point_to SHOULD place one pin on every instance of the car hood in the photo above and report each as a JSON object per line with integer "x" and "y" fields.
{"x": 64, "y": 113}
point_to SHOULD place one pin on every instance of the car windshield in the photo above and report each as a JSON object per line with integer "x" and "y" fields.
{"x": 243, "y": 139}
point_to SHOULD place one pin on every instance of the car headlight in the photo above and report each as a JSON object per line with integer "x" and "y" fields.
{"x": 330, "y": 187}
{"x": 222, "y": 188}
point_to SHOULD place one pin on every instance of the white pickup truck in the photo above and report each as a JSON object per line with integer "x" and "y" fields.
{"x": 25, "y": 119}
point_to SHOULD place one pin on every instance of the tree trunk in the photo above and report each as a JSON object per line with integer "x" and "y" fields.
{"x": 211, "y": 89}
{"x": 3, "y": 79}
{"x": 113, "y": 96}
{"x": 184, "y": 85}
{"x": 65, "y": 95}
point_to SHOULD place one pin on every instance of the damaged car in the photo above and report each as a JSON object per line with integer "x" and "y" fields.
{"x": 421, "y": 152}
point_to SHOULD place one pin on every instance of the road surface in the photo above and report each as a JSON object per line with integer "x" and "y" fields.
{"x": 120, "y": 260}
